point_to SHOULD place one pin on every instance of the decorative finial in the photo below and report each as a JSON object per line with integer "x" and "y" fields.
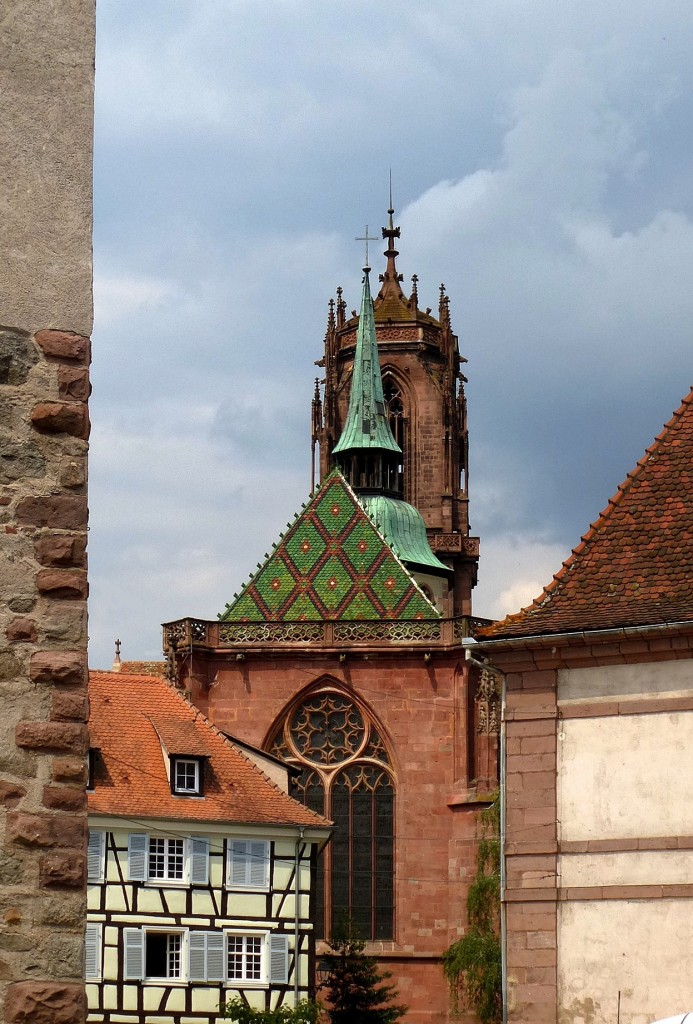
{"x": 367, "y": 238}
{"x": 116, "y": 660}
{"x": 415, "y": 290}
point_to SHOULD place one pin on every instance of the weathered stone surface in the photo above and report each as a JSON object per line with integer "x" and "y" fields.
{"x": 63, "y": 345}
{"x": 66, "y": 668}
{"x": 62, "y": 870}
{"x": 73, "y": 383}
{"x": 62, "y": 512}
{"x": 11, "y": 870}
{"x": 64, "y": 911}
{"x": 65, "y": 955}
{"x": 70, "y": 706}
{"x": 9, "y": 666}
{"x": 64, "y": 736}
{"x": 21, "y": 605}
{"x": 17, "y": 942}
{"x": 11, "y": 793}
{"x": 17, "y": 356}
{"x": 62, "y": 584}
{"x": 61, "y": 549}
{"x": 47, "y": 830}
{"x": 60, "y": 418}
{"x": 69, "y": 769}
{"x": 65, "y": 622}
{"x": 45, "y": 1002}
{"x": 20, "y": 460}
{"x": 73, "y": 472}
{"x": 21, "y": 630}
{"x": 64, "y": 798}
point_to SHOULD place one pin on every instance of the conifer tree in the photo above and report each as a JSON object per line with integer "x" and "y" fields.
{"x": 355, "y": 988}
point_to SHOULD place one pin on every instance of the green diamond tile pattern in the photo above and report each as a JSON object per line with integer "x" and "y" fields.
{"x": 331, "y": 564}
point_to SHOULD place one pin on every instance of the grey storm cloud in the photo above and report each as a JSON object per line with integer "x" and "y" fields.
{"x": 541, "y": 166}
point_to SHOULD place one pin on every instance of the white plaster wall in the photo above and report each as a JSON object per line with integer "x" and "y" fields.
{"x": 670, "y": 678}
{"x": 625, "y": 776}
{"x": 644, "y": 867}
{"x": 643, "y": 949}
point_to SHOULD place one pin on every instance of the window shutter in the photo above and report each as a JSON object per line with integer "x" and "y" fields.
{"x": 215, "y": 957}
{"x": 197, "y": 959}
{"x": 199, "y": 861}
{"x": 259, "y": 865}
{"x": 92, "y": 947}
{"x": 279, "y": 959}
{"x": 239, "y": 862}
{"x": 134, "y": 954}
{"x": 95, "y": 856}
{"x": 137, "y": 857}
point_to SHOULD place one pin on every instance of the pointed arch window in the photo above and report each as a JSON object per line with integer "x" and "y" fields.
{"x": 345, "y": 774}
{"x": 398, "y": 420}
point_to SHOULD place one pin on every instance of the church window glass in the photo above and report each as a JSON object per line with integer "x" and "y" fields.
{"x": 344, "y": 773}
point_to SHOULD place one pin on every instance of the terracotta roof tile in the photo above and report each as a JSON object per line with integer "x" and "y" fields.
{"x": 131, "y": 780}
{"x": 634, "y": 566}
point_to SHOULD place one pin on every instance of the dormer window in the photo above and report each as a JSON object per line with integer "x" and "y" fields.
{"x": 186, "y": 776}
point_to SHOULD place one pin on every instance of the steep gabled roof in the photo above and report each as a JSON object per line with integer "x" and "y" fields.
{"x": 634, "y": 566}
{"x": 332, "y": 564}
{"x": 131, "y": 779}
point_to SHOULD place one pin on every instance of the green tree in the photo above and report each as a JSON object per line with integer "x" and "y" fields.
{"x": 305, "y": 1012}
{"x": 472, "y": 965}
{"x": 354, "y": 987}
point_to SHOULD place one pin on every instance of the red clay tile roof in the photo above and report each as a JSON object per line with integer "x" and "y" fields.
{"x": 130, "y": 777}
{"x": 634, "y": 566}
{"x": 180, "y": 737}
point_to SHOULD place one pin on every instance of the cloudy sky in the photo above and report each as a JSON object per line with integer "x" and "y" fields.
{"x": 542, "y": 158}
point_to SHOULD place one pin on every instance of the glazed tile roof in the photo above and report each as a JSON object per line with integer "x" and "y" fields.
{"x": 130, "y": 776}
{"x": 634, "y": 566}
{"x": 333, "y": 563}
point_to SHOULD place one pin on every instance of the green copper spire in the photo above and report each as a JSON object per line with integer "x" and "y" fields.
{"x": 367, "y": 427}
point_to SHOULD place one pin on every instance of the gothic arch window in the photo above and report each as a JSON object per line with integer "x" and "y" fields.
{"x": 399, "y": 419}
{"x": 345, "y": 774}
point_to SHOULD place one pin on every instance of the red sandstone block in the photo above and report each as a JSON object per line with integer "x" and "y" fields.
{"x": 535, "y": 727}
{"x": 64, "y": 830}
{"x": 61, "y": 418}
{"x": 534, "y": 957}
{"x": 63, "y": 345}
{"x": 45, "y": 1002}
{"x": 534, "y": 994}
{"x": 62, "y": 870}
{"x": 73, "y": 383}
{"x": 70, "y": 706}
{"x": 542, "y": 679}
{"x": 64, "y": 736}
{"x": 61, "y": 550}
{"x": 69, "y": 769}
{"x": 64, "y": 798}
{"x": 541, "y": 939}
{"x": 21, "y": 630}
{"x": 11, "y": 793}
{"x": 65, "y": 668}
{"x": 62, "y": 512}
{"x": 63, "y": 584}
{"x": 522, "y": 763}
{"x": 538, "y": 744}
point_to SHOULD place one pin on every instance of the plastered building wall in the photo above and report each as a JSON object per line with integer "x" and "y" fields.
{"x": 625, "y": 831}
{"x": 46, "y": 104}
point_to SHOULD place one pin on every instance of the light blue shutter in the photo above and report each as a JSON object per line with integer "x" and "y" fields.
{"x": 137, "y": 857}
{"x": 239, "y": 862}
{"x": 199, "y": 861}
{"x": 92, "y": 951}
{"x": 133, "y": 939}
{"x": 95, "y": 856}
{"x": 215, "y": 957}
{"x": 259, "y": 864}
{"x": 279, "y": 959}
{"x": 197, "y": 959}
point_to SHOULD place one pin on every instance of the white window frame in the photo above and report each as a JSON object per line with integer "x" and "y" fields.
{"x": 141, "y": 975}
{"x": 274, "y": 965}
{"x": 177, "y": 790}
{"x": 195, "y": 860}
{"x": 248, "y": 865}
{"x": 168, "y": 857}
{"x": 96, "y": 855}
{"x": 244, "y": 982}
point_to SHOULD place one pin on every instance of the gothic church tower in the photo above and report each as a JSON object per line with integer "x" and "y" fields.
{"x": 423, "y": 390}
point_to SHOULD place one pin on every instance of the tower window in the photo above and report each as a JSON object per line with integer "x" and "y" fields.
{"x": 345, "y": 775}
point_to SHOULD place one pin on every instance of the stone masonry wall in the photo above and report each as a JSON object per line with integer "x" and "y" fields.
{"x": 46, "y": 109}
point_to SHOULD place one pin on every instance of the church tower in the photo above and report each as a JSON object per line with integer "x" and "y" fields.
{"x": 424, "y": 404}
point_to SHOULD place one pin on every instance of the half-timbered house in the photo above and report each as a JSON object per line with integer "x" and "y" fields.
{"x": 201, "y": 867}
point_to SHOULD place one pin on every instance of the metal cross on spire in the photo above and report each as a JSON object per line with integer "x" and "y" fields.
{"x": 367, "y": 238}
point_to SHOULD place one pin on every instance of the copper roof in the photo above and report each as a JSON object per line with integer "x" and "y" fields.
{"x": 634, "y": 566}
{"x": 130, "y": 776}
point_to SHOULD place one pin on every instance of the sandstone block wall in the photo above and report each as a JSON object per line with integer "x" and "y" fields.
{"x": 46, "y": 109}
